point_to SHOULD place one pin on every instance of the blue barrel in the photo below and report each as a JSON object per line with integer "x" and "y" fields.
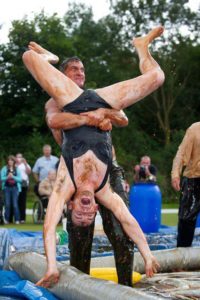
{"x": 198, "y": 221}
{"x": 145, "y": 205}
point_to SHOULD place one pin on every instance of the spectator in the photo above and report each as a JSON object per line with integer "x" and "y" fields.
{"x": 46, "y": 185}
{"x": 43, "y": 165}
{"x": 145, "y": 171}
{"x": 1, "y": 208}
{"x": 11, "y": 185}
{"x": 25, "y": 171}
{"x": 126, "y": 186}
{"x": 188, "y": 157}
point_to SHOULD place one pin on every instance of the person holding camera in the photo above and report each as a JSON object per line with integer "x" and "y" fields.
{"x": 145, "y": 171}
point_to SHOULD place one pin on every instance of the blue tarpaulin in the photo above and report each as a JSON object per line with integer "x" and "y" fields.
{"x": 13, "y": 287}
{"x": 18, "y": 241}
{"x": 5, "y": 244}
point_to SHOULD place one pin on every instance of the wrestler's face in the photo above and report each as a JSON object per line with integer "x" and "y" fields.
{"x": 83, "y": 208}
{"x": 76, "y": 72}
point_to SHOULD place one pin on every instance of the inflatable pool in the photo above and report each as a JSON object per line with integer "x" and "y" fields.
{"x": 74, "y": 285}
{"x": 111, "y": 274}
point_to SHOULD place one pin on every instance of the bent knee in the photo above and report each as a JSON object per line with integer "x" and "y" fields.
{"x": 159, "y": 77}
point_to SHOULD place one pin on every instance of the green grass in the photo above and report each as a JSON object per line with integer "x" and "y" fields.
{"x": 30, "y": 199}
{"x": 28, "y": 226}
{"x": 169, "y": 219}
{"x": 170, "y": 205}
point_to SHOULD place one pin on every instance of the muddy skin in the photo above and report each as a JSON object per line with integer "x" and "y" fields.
{"x": 60, "y": 179}
{"x": 88, "y": 168}
{"x": 80, "y": 239}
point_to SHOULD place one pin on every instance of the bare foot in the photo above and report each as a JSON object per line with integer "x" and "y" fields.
{"x": 147, "y": 39}
{"x": 50, "y": 57}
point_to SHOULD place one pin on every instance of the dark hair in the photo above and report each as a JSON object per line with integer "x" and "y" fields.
{"x": 66, "y": 62}
{"x": 11, "y": 157}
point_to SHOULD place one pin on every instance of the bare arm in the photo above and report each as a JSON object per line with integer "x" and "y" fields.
{"x": 181, "y": 159}
{"x": 113, "y": 202}
{"x": 27, "y": 167}
{"x": 57, "y": 120}
{"x": 62, "y": 192}
{"x": 116, "y": 117}
{"x": 57, "y": 134}
{"x": 136, "y": 176}
{"x": 102, "y": 118}
{"x": 62, "y": 120}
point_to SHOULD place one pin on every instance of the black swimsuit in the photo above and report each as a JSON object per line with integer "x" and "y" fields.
{"x": 78, "y": 141}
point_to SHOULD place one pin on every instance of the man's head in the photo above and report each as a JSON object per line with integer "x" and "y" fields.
{"x": 46, "y": 150}
{"x": 19, "y": 158}
{"x": 83, "y": 208}
{"x": 52, "y": 175}
{"x": 145, "y": 161}
{"x": 74, "y": 69}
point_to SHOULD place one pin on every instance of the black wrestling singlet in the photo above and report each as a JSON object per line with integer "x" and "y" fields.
{"x": 78, "y": 141}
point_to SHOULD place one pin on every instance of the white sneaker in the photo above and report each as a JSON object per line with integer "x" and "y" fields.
{"x": 6, "y": 222}
{"x": 17, "y": 222}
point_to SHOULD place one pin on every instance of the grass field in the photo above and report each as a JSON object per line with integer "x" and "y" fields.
{"x": 167, "y": 219}
{"x": 28, "y": 226}
{"x": 170, "y": 219}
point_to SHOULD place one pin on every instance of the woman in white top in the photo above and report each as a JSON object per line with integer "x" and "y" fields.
{"x": 25, "y": 171}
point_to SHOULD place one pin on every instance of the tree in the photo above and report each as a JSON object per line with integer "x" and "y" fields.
{"x": 22, "y": 100}
{"x": 106, "y": 50}
{"x": 136, "y": 17}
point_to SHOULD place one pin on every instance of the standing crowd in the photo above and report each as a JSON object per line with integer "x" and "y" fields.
{"x": 15, "y": 183}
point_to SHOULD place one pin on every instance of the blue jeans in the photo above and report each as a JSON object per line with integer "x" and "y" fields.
{"x": 11, "y": 199}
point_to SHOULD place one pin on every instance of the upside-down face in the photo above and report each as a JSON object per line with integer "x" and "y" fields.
{"x": 84, "y": 208}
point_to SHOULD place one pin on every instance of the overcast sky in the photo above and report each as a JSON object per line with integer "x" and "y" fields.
{"x": 16, "y": 9}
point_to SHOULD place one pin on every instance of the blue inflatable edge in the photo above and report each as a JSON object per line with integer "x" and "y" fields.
{"x": 12, "y": 286}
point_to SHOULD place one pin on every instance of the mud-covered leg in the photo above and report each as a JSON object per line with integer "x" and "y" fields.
{"x": 123, "y": 247}
{"x": 186, "y": 230}
{"x": 80, "y": 244}
{"x": 188, "y": 211}
{"x": 128, "y": 92}
{"x": 37, "y": 60}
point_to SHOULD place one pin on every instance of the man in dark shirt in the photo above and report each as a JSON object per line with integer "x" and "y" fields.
{"x": 145, "y": 171}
